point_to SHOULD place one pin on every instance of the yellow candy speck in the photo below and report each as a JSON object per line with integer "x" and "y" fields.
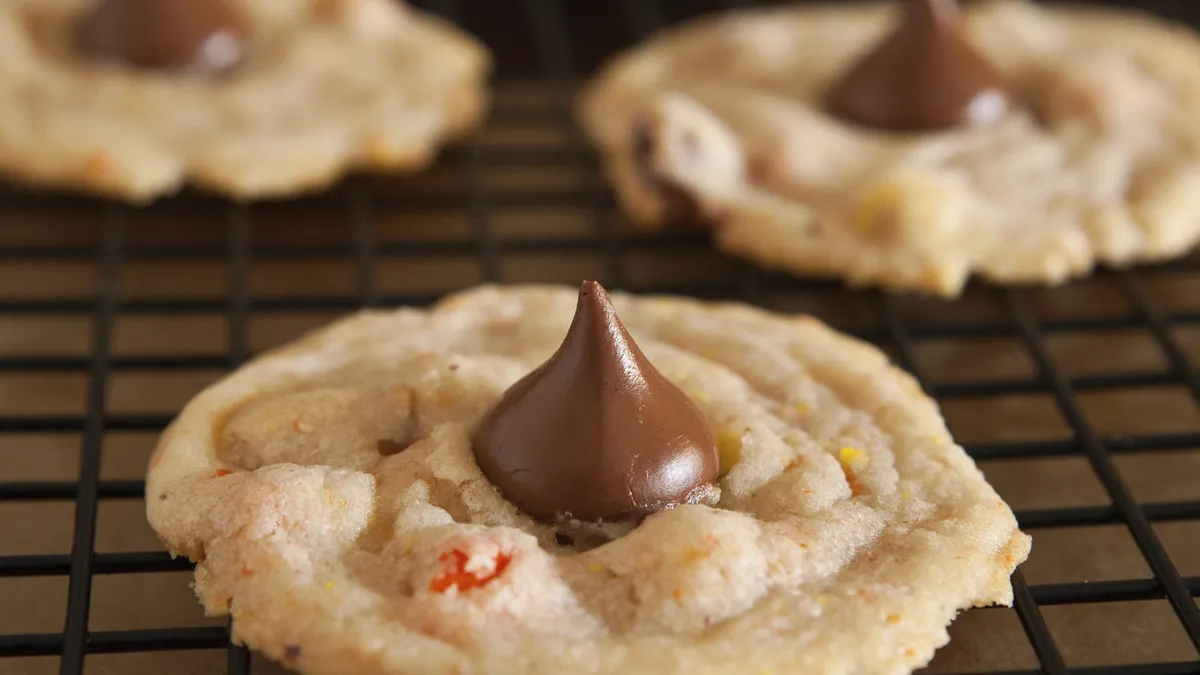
{"x": 848, "y": 456}
{"x": 852, "y": 460}
{"x": 699, "y": 396}
{"x": 802, "y": 409}
{"x": 877, "y": 208}
{"x": 729, "y": 445}
{"x": 329, "y": 585}
{"x": 822, "y": 600}
{"x": 595, "y": 567}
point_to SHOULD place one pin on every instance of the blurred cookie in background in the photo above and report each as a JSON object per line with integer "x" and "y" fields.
{"x": 912, "y": 144}
{"x": 266, "y": 98}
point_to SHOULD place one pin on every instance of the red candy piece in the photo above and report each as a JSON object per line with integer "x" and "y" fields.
{"x": 457, "y": 575}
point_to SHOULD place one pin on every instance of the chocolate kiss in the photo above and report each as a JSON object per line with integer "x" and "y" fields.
{"x": 201, "y": 35}
{"x": 923, "y": 77}
{"x": 596, "y": 433}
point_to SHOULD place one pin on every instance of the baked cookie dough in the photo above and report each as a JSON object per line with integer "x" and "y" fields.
{"x": 727, "y": 120}
{"x": 330, "y": 494}
{"x": 319, "y": 88}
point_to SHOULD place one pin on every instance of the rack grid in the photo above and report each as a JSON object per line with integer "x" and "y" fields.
{"x": 527, "y": 194}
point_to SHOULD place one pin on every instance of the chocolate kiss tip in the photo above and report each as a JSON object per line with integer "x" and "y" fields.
{"x": 923, "y": 76}
{"x": 596, "y": 432}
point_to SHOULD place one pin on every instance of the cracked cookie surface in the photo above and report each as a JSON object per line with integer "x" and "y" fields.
{"x": 326, "y": 87}
{"x": 330, "y": 494}
{"x": 1098, "y": 161}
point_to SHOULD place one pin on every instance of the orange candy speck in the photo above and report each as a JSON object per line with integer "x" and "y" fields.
{"x": 456, "y": 574}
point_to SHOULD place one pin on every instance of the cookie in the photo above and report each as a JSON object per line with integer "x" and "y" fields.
{"x": 401, "y": 492}
{"x": 763, "y": 125}
{"x": 249, "y": 98}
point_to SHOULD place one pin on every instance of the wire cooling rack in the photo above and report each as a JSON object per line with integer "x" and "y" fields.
{"x": 1091, "y": 390}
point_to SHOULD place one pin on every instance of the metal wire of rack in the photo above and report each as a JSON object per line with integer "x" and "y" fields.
{"x": 553, "y": 45}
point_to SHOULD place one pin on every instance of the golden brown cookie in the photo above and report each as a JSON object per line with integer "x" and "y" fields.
{"x": 1096, "y": 159}
{"x": 315, "y": 89}
{"x": 331, "y": 496}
